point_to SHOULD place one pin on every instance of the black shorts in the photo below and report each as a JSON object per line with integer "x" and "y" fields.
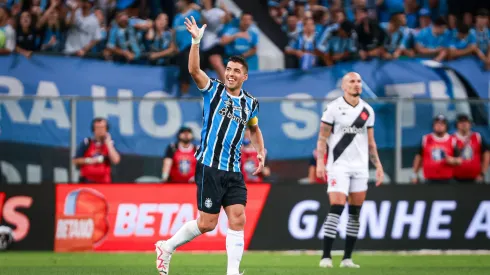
{"x": 183, "y": 63}
{"x": 216, "y": 50}
{"x": 216, "y": 188}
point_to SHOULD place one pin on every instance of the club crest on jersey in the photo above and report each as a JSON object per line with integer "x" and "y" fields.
{"x": 438, "y": 154}
{"x": 208, "y": 203}
{"x": 364, "y": 116}
{"x": 184, "y": 166}
{"x": 467, "y": 153}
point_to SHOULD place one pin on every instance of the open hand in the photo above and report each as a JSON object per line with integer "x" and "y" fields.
{"x": 261, "y": 159}
{"x": 193, "y": 29}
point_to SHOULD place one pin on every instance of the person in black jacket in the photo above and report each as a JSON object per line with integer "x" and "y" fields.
{"x": 370, "y": 36}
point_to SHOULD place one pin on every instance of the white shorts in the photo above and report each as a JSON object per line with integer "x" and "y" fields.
{"x": 347, "y": 182}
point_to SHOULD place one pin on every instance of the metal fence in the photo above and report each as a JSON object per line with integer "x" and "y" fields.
{"x": 31, "y": 127}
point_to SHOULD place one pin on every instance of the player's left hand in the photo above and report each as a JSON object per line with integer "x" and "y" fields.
{"x": 380, "y": 176}
{"x": 261, "y": 159}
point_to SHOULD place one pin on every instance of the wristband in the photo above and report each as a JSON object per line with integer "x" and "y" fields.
{"x": 197, "y": 40}
{"x": 164, "y": 176}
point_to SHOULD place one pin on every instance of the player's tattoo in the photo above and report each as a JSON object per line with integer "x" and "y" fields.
{"x": 373, "y": 155}
{"x": 325, "y": 130}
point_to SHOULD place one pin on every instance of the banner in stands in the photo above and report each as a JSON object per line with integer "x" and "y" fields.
{"x": 29, "y": 211}
{"x": 126, "y": 217}
{"x": 146, "y": 127}
{"x": 392, "y": 218}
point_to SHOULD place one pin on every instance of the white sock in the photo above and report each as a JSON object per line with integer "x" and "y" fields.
{"x": 234, "y": 248}
{"x": 186, "y": 233}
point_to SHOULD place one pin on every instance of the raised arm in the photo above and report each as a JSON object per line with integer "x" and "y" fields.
{"x": 197, "y": 74}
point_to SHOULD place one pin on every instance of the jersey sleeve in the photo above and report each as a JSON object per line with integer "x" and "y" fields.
{"x": 211, "y": 87}
{"x": 328, "y": 115}
{"x": 82, "y": 147}
{"x": 255, "y": 111}
{"x": 371, "y": 119}
{"x": 169, "y": 153}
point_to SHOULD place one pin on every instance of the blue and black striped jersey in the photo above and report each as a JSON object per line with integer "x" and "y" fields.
{"x": 225, "y": 118}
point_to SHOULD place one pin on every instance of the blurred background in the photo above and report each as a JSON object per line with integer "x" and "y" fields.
{"x": 63, "y": 63}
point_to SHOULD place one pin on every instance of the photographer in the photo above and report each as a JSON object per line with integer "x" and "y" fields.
{"x": 96, "y": 154}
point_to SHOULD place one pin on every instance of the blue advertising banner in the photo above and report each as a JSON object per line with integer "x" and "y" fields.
{"x": 146, "y": 126}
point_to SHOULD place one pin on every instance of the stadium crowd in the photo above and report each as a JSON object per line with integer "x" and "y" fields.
{"x": 325, "y": 32}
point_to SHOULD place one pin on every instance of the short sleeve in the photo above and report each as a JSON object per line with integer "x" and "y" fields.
{"x": 82, "y": 147}
{"x": 328, "y": 115}
{"x": 111, "y": 41}
{"x": 313, "y": 161}
{"x": 169, "y": 153}
{"x": 97, "y": 35}
{"x": 471, "y": 38}
{"x": 10, "y": 41}
{"x": 255, "y": 110}
{"x": 255, "y": 39}
{"x": 371, "y": 119}
{"x": 210, "y": 87}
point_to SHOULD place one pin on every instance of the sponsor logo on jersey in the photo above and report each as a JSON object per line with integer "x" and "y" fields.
{"x": 353, "y": 130}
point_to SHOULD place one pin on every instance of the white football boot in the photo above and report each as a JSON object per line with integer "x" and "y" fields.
{"x": 348, "y": 263}
{"x": 326, "y": 263}
{"x": 163, "y": 258}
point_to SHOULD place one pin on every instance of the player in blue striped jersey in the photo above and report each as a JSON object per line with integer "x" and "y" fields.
{"x": 228, "y": 110}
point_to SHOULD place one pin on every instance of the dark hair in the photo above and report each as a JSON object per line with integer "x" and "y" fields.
{"x": 99, "y": 119}
{"x": 347, "y": 26}
{"x": 246, "y": 13}
{"x": 440, "y": 21}
{"x": 393, "y": 15}
{"x": 7, "y": 11}
{"x": 239, "y": 59}
{"x": 463, "y": 28}
{"x": 482, "y": 12}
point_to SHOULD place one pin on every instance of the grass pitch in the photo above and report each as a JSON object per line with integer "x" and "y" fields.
{"x": 254, "y": 263}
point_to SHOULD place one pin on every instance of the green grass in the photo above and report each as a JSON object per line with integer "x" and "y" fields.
{"x": 24, "y": 263}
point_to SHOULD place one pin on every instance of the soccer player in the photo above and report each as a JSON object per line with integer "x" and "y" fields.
{"x": 347, "y": 127}
{"x": 228, "y": 110}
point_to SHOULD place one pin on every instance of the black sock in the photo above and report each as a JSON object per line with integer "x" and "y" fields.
{"x": 330, "y": 229}
{"x": 352, "y": 230}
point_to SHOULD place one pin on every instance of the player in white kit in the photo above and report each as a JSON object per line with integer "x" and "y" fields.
{"x": 347, "y": 127}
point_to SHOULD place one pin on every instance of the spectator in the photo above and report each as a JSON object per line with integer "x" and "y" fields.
{"x": 250, "y": 162}
{"x": 84, "y": 30}
{"x": 243, "y": 41}
{"x": 482, "y": 33}
{"x": 96, "y": 154}
{"x": 337, "y": 43}
{"x": 433, "y": 41}
{"x": 369, "y": 34}
{"x": 28, "y": 37}
{"x": 473, "y": 151}
{"x": 161, "y": 43}
{"x": 7, "y": 30}
{"x": 312, "y": 168}
{"x": 293, "y": 27}
{"x": 464, "y": 44}
{"x": 321, "y": 19}
{"x": 436, "y": 155}
{"x": 101, "y": 44}
{"x": 424, "y": 19}
{"x": 213, "y": 51}
{"x": 411, "y": 11}
{"x": 179, "y": 163}
{"x": 338, "y": 16}
{"x": 183, "y": 41}
{"x": 397, "y": 36}
{"x": 276, "y": 11}
{"x": 53, "y": 28}
{"x": 304, "y": 46}
{"x": 123, "y": 42}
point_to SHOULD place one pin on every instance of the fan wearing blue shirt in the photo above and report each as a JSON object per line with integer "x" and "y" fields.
{"x": 160, "y": 40}
{"x": 433, "y": 41}
{"x": 183, "y": 41}
{"x": 397, "y": 36}
{"x": 303, "y": 48}
{"x": 123, "y": 42}
{"x": 337, "y": 43}
{"x": 482, "y": 34}
{"x": 242, "y": 41}
{"x": 464, "y": 44}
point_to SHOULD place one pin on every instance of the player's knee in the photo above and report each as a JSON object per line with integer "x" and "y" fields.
{"x": 237, "y": 220}
{"x": 207, "y": 224}
{"x": 354, "y": 211}
{"x": 337, "y": 209}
